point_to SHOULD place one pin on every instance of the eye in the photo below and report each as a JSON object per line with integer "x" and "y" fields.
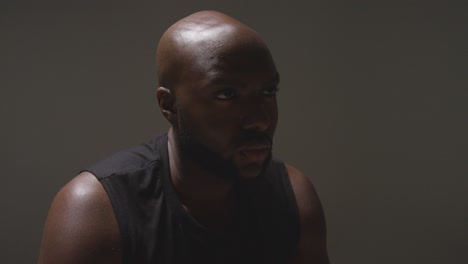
{"x": 270, "y": 91}
{"x": 225, "y": 94}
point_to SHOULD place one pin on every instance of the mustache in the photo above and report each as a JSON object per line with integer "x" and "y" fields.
{"x": 254, "y": 138}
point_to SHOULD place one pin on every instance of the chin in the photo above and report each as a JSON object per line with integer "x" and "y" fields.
{"x": 252, "y": 171}
{"x": 249, "y": 175}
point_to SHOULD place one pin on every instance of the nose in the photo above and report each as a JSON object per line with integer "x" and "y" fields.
{"x": 257, "y": 115}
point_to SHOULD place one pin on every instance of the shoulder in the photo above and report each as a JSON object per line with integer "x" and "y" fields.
{"x": 130, "y": 159}
{"x": 312, "y": 242}
{"x": 81, "y": 226}
{"x": 306, "y": 195}
{"x": 307, "y": 199}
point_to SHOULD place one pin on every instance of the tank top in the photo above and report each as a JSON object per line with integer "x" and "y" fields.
{"x": 154, "y": 227}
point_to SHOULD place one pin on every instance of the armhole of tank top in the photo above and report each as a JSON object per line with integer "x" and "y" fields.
{"x": 118, "y": 208}
{"x": 292, "y": 207}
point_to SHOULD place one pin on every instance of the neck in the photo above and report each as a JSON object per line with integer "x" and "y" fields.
{"x": 199, "y": 191}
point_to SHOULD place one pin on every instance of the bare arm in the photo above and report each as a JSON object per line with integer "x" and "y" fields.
{"x": 81, "y": 225}
{"x": 312, "y": 246}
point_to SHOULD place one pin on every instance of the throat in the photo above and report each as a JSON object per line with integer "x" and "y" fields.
{"x": 220, "y": 220}
{"x": 215, "y": 209}
{"x": 210, "y": 200}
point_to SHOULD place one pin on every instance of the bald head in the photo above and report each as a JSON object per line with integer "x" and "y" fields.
{"x": 195, "y": 42}
{"x": 218, "y": 85}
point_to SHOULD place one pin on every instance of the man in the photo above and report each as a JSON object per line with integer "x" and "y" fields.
{"x": 208, "y": 191}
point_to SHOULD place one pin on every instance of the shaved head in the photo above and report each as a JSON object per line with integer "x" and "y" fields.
{"x": 217, "y": 88}
{"x": 187, "y": 46}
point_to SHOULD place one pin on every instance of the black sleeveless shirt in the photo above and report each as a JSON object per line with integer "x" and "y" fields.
{"x": 154, "y": 227}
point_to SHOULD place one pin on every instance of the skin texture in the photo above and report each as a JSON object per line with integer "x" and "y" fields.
{"x": 217, "y": 88}
{"x": 81, "y": 226}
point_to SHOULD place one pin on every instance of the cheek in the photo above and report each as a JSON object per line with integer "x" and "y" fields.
{"x": 213, "y": 128}
{"x": 220, "y": 129}
{"x": 273, "y": 110}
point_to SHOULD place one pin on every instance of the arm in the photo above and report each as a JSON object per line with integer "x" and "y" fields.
{"x": 312, "y": 246}
{"x": 81, "y": 225}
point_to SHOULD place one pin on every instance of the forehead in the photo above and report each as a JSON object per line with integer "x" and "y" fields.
{"x": 241, "y": 57}
{"x": 211, "y": 48}
{"x": 231, "y": 57}
{"x": 204, "y": 34}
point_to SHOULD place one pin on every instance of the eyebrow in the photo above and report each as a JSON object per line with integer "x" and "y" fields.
{"x": 275, "y": 79}
{"x": 221, "y": 80}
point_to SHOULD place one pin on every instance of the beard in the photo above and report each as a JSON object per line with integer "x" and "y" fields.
{"x": 192, "y": 149}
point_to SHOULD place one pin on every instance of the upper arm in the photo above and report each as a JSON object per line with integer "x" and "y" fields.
{"x": 312, "y": 246}
{"x": 81, "y": 225}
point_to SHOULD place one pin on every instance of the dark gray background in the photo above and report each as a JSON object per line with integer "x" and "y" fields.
{"x": 373, "y": 108}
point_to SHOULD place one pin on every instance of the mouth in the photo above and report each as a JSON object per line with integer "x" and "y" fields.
{"x": 255, "y": 153}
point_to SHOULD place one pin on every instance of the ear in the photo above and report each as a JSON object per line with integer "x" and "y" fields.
{"x": 166, "y": 102}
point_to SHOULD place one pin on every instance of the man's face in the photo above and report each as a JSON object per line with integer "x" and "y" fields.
{"x": 227, "y": 110}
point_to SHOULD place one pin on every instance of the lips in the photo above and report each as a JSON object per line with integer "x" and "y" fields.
{"x": 255, "y": 153}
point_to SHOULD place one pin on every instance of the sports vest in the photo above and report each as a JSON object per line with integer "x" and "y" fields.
{"x": 154, "y": 227}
